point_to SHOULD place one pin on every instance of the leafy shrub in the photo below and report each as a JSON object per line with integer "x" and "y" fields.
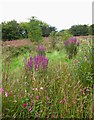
{"x": 57, "y": 38}
{"x": 83, "y": 65}
{"x": 65, "y": 35}
{"x": 53, "y": 37}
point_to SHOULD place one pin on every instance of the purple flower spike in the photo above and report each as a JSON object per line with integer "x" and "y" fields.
{"x": 40, "y": 48}
{"x": 30, "y": 63}
{"x": 71, "y": 47}
{"x": 66, "y": 42}
{"x": 39, "y": 62}
{"x": 73, "y": 40}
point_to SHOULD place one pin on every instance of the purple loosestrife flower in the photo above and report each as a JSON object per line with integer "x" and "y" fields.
{"x": 37, "y": 60}
{"x": 44, "y": 62}
{"x": 71, "y": 47}
{"x": 66, "y": 42}
{"x": 73, "y": 40}
{"x": 30, "y": 63}
{"x": 40, "y": 62}
{"x": 40, "y": 48}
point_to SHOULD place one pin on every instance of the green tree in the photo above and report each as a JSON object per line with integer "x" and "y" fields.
{"x": 46, "y": 29}
{"x": 23, "y": 29}
{"x": 79, "y": 30}
{"x": 10, "y": 30}
{"x": 0, "y": 31}
{"x": 34, "y": 30}
{"x": 91, "y": 29}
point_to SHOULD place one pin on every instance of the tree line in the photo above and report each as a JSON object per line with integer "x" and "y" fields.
{"x": 36, "y": 29}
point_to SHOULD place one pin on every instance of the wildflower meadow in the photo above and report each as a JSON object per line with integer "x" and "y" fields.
{"x": 39, "y": 81}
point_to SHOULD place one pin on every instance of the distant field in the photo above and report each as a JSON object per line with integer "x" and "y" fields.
{"x": 16, "y": 43}
{"x": 23, "y": 42}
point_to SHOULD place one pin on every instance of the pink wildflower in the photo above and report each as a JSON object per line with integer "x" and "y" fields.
{"x": 52, "y": 116}
{"x": 24, "y": 104}
{"x": 20, "y": 95}
{"x": 47, "y": 98}
{"x": 31, "y": 102}
{"x": 61, "y": 101}
{"x": 37, "y": 97}
{"x": 86, "y": 89}
{"x": 6, "y": 94}
{"x": 81, "y": 90}
{"x": 29, "y": 109}
{"x": 30, "y": 96}
{"x": 1, "y": 90}
{"x": 83, "y": 93}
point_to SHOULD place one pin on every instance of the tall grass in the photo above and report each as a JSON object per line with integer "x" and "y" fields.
{"x": 62, "y": 91}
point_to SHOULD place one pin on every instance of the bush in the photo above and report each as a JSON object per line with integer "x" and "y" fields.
{"x": 65, "y": 35}
{"x": 84, "y": 67}
{"x": 53, "y": 38}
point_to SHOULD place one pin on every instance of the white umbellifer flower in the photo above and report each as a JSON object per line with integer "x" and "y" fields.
{"x": 32, "y": 88}
{"x": 15, "y": 101}
{"x": 25, "y": 91}
{"x": 36, "y": 88}
{"x": 41, "y": 88}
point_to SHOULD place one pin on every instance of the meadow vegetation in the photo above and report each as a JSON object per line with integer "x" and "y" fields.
{"x": 41, "y": 81}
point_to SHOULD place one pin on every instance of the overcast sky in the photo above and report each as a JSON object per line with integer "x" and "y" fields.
{"x": 59, "y": 13}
